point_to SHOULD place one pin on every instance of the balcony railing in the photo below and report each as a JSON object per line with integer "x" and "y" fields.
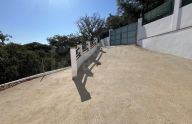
{"x": 161, "y": 11}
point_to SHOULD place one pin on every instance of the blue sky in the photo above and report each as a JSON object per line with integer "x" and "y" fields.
{"x": 35, "y": 20}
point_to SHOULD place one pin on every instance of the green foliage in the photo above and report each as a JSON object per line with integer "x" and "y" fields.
{"x": 3, "y": 38}
{"x": 161, "y": 11}
{"x": 90, "y": 26}
{"x": 113, "y": 21}
{"x": 63, "y": 41}
{"x": 151, "y": 4}
{"x": 37, "y": 46}
{"x": 19, "y": 61}
{"x": 58, "y": 40}
{"x": 135, "y": 7}
{"x": 129, "y": 11}
{"x": 74, "y": 39}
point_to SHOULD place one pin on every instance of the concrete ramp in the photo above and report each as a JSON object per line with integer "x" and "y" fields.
{"x": 119, "y": 85}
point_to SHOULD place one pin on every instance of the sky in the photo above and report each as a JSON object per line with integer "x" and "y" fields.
{"x": 36, "y": 20}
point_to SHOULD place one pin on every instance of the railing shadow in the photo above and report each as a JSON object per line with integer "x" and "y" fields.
{"x": 84, "y": 72}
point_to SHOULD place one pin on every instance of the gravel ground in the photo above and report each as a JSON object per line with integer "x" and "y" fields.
{"x": 120, "y": 85}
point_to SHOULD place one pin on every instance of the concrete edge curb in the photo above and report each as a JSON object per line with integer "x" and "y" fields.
{"x": 16, "y": 82}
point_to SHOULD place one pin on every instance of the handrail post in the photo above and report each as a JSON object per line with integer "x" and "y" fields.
{"x": 96, "y": 40}
{"x": 80, "y": 49}
{"x": 140, "y": 32}
{"x": 73, "y": 61}
{"x": 176, "y": 15}
{"x": 88, "y": 45}
{"x": 109, "y": 40}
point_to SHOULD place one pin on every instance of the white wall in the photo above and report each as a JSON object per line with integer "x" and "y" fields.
{"x": 85, "y": 56}
{"x": 171, "y": 34}
{"x": 105, "y": 42}
{"x": 177, "y": 43}
{"x": 154, "y": 28}
{"x": 140, "y": 30}
{"x": 77, "y": 62}
{"x": 158, "y": 27}
{"x": 186, "y": 16}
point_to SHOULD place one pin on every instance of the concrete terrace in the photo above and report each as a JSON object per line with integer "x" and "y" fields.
{"x": 119, "y": 85}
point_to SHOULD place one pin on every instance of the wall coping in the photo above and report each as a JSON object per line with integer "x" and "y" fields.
{"x": 16, "y": 82}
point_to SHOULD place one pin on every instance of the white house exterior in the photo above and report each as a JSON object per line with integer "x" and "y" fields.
{"x": 171, "y": 34}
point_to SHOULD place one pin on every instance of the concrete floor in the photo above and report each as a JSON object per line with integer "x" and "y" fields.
{"x": 123, "y": 85}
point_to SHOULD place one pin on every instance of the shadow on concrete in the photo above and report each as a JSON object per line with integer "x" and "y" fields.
{"x": 84, "y": 72}
{"x": 42, "y": 78}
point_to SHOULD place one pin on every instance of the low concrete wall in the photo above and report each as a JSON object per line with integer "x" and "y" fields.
{"x": 78, "y": 56}
{"x": 186, "y": 16}
{"x": 85, "y": 56}
{"x": 158, "y": 27}
{"x": 177, "y": 43}
{"x": 14, "y": 83}
{"x": 105, "y": 42}
{"x": 172, "y": 34}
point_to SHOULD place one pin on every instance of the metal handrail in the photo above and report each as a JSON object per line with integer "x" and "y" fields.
{"x": 85, "y": 49}
{"x": 78, "y": 54}
{"x": 93, "y": 44}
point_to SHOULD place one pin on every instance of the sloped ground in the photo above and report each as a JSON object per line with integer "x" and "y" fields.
{"x": 124, "y": 84}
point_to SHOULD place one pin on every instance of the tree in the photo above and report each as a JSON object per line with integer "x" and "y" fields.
{"x": 90, "y": 26}
{"x": 130, "y": 10}
{"x": 135, "y": 7}
{"x": 64, "y": 41}
{"x": 37, "y": 46}
{"x": 58, "y": 41}
{"x": 19, "y": 61}
{"x": 4, "y": 37}
{"x": 113, "y": 21}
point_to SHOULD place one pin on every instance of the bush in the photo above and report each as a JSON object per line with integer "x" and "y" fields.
{"x": 19, "y": 61}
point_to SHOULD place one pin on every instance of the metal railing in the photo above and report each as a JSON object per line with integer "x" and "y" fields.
{"x": 186, "y": 2}
{"x": 93, "y": 44}
{"x": 78, "y": 53}
{"x": 84, "y": 46}
{"x": 159, "y": 12}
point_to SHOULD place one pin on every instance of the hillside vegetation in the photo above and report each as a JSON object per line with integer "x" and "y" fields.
{"x": 18, "y": 61}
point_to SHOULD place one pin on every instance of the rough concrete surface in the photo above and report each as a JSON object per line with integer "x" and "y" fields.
{"x": 120, "y": 85}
